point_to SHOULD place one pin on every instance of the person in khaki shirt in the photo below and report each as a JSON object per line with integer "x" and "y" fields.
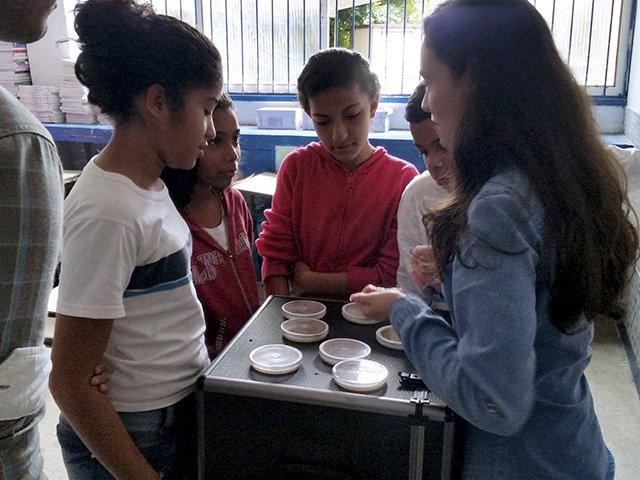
{"x": 31, "y": 205}
{"x": 31, "y": 229}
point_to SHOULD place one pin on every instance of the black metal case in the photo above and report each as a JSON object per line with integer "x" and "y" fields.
{"x": 302, "y": 425}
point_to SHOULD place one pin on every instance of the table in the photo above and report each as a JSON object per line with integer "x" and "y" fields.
{"x": 261, "y": 184}
{"x": 303, "y": 425}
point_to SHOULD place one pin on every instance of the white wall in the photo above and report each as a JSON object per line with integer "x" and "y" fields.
{"x": 633, "y": 100}
{"x": 610, "y": 118}
{"x": 46, "y": 54}
{"x": 632, "y": 317}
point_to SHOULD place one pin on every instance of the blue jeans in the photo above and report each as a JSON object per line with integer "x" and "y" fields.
{"x": 20, "y": 455}
{"x": 166, "y": 438}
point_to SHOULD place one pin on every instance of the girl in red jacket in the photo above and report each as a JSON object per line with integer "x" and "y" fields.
{"x": 222, "y": 231}
{"x": 332, "y": 226}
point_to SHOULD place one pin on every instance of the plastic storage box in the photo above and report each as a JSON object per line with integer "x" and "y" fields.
{"x": 380, "y": 122}
{"x": 307, "y": 122}
{"x": 279, "y": 118}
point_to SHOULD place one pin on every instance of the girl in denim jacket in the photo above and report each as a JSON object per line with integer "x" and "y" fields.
{"x": 535, "y": 243}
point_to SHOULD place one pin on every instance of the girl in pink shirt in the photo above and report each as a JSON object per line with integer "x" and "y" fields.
{"x": 332, "y": 226}
{"x": 221, "y": 229}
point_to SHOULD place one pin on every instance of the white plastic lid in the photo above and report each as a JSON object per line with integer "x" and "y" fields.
{"x": 387, "y": 337}
{"x": 275, "y": 359}
{"x": 360, "y": 375}
{"x": 304, "y": 330}
{"x": 303, "y": 309}
{"x": 337, "y": 349}
{"x": 353, "y": 313}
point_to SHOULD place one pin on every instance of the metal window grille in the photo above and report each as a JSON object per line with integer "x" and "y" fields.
{"x": 265, "y": 43}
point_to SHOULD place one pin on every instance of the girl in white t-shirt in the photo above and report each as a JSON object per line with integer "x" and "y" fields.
{"x": 125, "y": 286}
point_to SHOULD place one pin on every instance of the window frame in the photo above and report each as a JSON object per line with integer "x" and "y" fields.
{"x": 194, "y": 12}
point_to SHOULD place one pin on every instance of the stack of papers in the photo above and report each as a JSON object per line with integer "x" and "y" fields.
{"x": 43, "y": 101}
{"x": 73, "y": 97}
{"x": 262, "y": 184}
{"x": 14, "y": 66}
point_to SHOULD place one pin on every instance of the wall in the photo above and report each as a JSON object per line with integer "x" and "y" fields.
{"x": 632, "y": 132}
{"x": 632, "y": 316}
{"x": 262, "y": 150}
{"x": 610, "y": 119}
{"x": 46, "y": 54}
{"x": 632, "y": 114}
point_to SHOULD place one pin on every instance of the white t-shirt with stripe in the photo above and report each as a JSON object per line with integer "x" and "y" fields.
{"x": 126, "y": 257}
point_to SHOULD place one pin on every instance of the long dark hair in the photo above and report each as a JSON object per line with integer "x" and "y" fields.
{"x": 528, "y": 113}
{"x": 181, "y": 182}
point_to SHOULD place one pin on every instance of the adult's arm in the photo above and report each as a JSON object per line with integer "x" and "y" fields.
{"x": 30, "y": 227}
{"x": 484, "y": 369}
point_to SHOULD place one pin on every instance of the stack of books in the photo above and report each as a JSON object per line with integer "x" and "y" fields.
{"x": 14, "y": 66}
{"x": 43, "y": 101}
{"x": 73, "y": 96}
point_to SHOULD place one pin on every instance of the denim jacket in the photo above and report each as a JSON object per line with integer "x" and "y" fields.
{"x": 503, "y": 366}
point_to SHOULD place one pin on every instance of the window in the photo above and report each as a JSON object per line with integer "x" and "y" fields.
{"x": 592, "y": 36}
{"x": 265, "y": 43}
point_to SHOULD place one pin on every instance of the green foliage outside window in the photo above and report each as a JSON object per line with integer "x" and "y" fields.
{"x": 391, "y": 11}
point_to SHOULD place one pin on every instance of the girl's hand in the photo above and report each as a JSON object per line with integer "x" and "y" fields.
{"x": 100, "y": 378}
{"x": 376, "y": 301}
{"x": 424, "y": 269}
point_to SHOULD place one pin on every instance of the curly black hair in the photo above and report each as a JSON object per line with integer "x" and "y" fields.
{"x": 126, "y": 47}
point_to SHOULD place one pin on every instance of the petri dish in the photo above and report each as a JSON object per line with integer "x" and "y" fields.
{"x": 353, "y": 313}
{"x": 303, "y": 309}
{"x": 337, "y": 349}
{"x": 304, "y": 330}
{"x": 360, "y": 375}
{"x": 275, "y": 359}
{"x": 387, "y": 337}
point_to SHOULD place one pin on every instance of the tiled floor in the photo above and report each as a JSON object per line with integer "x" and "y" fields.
{"x": 611, "y": 382}
{"x": 53, "y": 465}
{"x": 616, "y": 399}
